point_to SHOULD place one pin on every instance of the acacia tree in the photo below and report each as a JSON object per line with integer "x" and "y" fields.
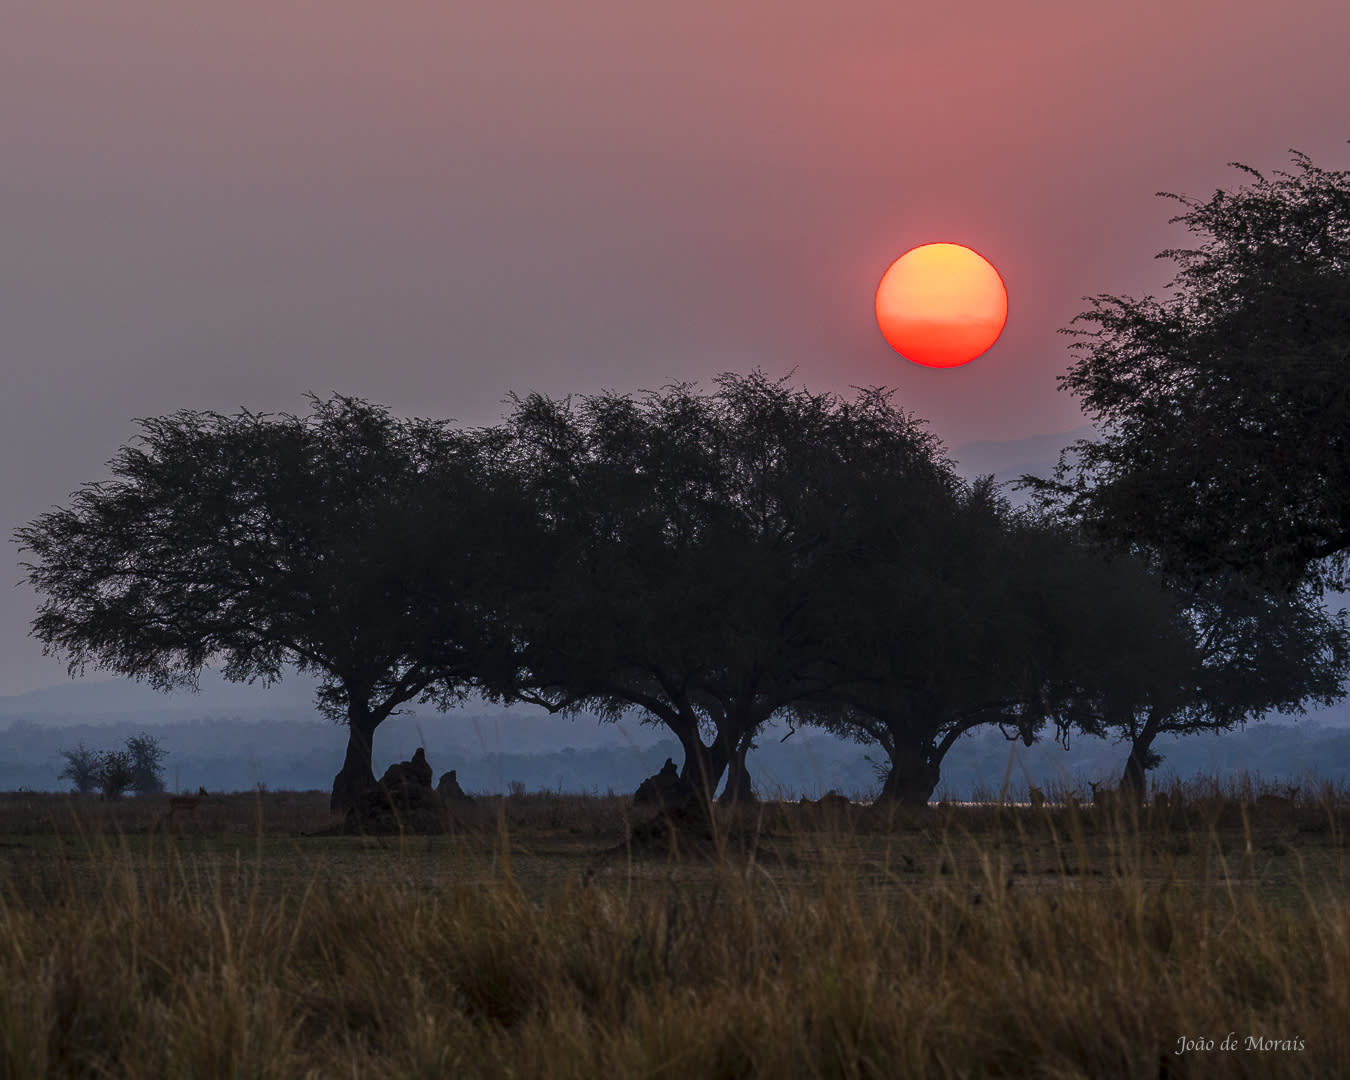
{"x": 81, "y": 769}
{"x": 349, "y": 543}
{"x": 618, "y": 490}
{"x": 1224, "y": 408}
{"x": 997, "y": 618}
{"x": 147, "y": 763}
{"x": 693, "y": 534}
{"x": 1251, "y": 653}
{"x": 801, "y": 471}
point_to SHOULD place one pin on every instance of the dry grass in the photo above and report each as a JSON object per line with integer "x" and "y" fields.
{"x": 980, "y": 941}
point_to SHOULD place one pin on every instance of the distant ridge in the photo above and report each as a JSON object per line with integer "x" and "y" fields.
{"x": 92, "y": 696}
{"x": 117, "y": 703}
{"x": 1008, "y": 459}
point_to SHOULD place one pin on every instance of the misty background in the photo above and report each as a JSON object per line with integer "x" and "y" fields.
{"x": 237, "y": 738}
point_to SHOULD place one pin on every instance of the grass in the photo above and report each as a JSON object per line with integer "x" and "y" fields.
{"x": 963, "y": 941}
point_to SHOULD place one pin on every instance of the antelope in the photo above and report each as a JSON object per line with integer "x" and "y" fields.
{"x": 1103, "y": 798}
{"x": 830, "y": 802}
{"x": 185, "y": 804}
{"x": 1037, "y": 797}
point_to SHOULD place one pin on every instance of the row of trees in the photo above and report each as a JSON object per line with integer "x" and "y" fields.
{"x": 712, "y": 558}
{"x": 715, "y": 559}
{"x": 140, "y": 768}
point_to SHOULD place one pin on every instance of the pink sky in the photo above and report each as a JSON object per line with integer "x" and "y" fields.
{"x": 432, "y": 204}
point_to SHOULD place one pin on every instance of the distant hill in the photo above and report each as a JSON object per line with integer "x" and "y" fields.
{"x": 93, "y": 697}
{"x": 236, "y": 755}
{"x": 1009, "y": 459}
{"x": 124, "y": 704}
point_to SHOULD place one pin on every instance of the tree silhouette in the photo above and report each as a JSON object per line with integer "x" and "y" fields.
{"x": 988, "y": 616}
{"x": 694, "y": 537}
{"x": 147, "y": 769}
{"x": 1250, "y": 653}
{"x": 1225, "y": 408}
{"x": 350, "y": 543}
{"x": 81, "y": 768}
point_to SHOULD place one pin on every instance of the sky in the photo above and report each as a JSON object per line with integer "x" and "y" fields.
{"x": 431, "y": 205}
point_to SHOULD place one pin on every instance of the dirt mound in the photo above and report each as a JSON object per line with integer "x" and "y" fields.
{"x": 665, "y": 789}
{"x": 450, "y": 791}
{"x": 688, "y": 832}
{"x": 391, "y": 811}
{"x": 414, "y": 773}
{"x": 402, "y": 802}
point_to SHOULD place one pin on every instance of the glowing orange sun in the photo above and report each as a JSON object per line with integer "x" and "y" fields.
{"x": 941, "y": 305}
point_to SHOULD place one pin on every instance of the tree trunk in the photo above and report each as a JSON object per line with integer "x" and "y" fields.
{"x": 703, "y": 765}
{"x": 913, "y": 777}
{"x": 1142, "y": 758}
{"x": 357, "y": 775}
{"x": 739, "y": 788}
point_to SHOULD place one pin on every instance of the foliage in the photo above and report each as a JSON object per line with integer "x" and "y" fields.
{"x": 714, "y": 559}
{"x": 1005, "y": 619}
{"x": 694, "y": 537}
{"x": 139, "y": 767}
{"x": 1222, "y": 460}
{"x": 338, "y": 542}
{"x": 116, "y": 773}
{"x": 1253, "y": 652}
{"x": 147, "y": 769}
{"x": 82, "y": 768}
{"x": 1224, "y": 408}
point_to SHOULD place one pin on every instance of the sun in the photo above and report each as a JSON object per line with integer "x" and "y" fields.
{"x": 941, "y": 305}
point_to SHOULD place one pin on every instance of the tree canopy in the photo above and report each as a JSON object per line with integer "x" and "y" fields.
{"x": 349, "y": 543}
{"x": 1224, "y": 408}
{"x": 1247, "y": 652}
{"x": 714, "y": 559}
{"x": 998, "y": 618}
{"x": 700, "y": 537}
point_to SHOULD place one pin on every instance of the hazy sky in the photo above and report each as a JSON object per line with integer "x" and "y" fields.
{"x": 425, "y": 204}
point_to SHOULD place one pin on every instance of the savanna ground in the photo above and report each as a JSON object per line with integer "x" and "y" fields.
{"x": 244, "y": 939}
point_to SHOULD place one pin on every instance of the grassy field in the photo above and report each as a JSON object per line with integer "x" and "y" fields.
{"x": 537, "y": 939}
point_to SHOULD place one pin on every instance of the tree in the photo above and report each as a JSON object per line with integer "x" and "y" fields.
{"x": 802, "y": 474}
{"x": 1225, "y": 408}
{"x": 81, "y": 769}
{"x": 147, "y": 770}
{"x": 693, "y": 535}
{"x": 349, "y": 543}
{"x": 137, "y": 767}
{"x": 116, "y": 773}
{"x": 617, "y": 488}
{"x": 1252, "y": 652}
{"x": 986, "y": 617}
